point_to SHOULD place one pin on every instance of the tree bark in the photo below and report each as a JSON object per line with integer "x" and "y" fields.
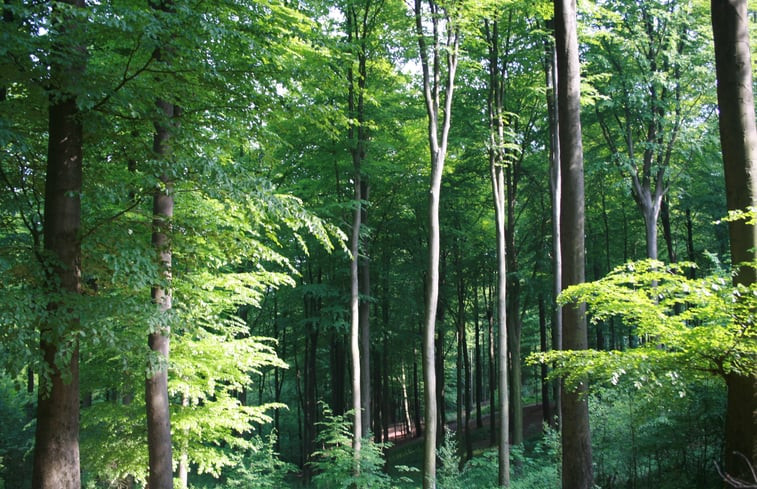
{"x": 576, "y": 438}
{"x": 438, "y": 132}
{"x": 156, "y": 385}
{"x": 555, "y": 184}
{"x": 738, "y": 138}
{"x": 56, "y": 452}
{"x": 497, "y": 163}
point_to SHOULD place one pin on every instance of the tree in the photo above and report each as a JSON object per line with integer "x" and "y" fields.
{"x": 738, "y": 136}
{"x": 498, "y": 159}
{"x": 56, "y": 453}
{"x": 156, "y": 384}
{"x": 438, "y": 88}
{"x": 649, "y": 48}
{"x": 576, "y": 438}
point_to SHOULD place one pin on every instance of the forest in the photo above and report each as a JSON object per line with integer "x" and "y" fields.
{"x": 378, "y": 244}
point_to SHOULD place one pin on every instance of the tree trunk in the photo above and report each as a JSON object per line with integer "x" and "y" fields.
{"x": 478, "y": 367}
{"x": 357, "y": 433}
{"x": 338, "y": 361}
{"x": 437, "y": 139}
{"x": 56, "y": 453}
{"x": 546, "y": 408}
{"x": 555, "y": 185}
{"x": 667, "y": 232}
{"x": 738, "y": 137}
{"x": 576, "y": 438}
{"x": 497, "y": 164}
{"x": 156, "y": 385}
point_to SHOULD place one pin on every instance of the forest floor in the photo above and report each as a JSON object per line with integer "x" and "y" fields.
{"x": 407, "y": 449}
{"x": 532, "y": 425}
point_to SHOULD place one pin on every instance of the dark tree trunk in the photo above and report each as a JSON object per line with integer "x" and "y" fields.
{"x": 156, "y": 385}
{"x": 576, "y": 440}
{"x": 478, "y": 367}
{"x": 738, "y": 138}
{"x": 546, "y": 408}
{"x": 667, "y": 232}
{"x": 338, "y": 361}
{"x": 416, "y": 397}
{"x": 492, "y": 378}
{"x": 690, "y": 254}
{"x": 364, "y": 274}
{"x": 56, "y": 453}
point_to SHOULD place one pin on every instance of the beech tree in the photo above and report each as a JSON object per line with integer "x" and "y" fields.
{"x": 56, "y": 453}
{"x": 439, "y": 58}
{"x": 577, "y": 472}
{"x": 738, "y": 137}
{"x": 498, "y": 159}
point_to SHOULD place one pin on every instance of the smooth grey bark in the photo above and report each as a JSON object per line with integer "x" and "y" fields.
{"x": 497, "y": 163}
{"x": 438, "y": 133}
{"x": 576, "y": 439}
{"x": 738, "y": 138}
{"x": 56, "y": 438}
{"x": 555, "y": 183}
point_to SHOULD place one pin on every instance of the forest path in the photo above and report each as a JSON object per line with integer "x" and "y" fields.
{"x": 532, "y": 425}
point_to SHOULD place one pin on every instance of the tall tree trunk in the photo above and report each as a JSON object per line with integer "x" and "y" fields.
{"x": 546, "y": 408}
{"x": 478, "y": 367}
{"x": 338, "y": 361}
{"x": 156, "y": 384}
{"x": 492, "y": 376}
{"x": 56, "y": 448}
{"x": 438, "y": 132}
{"x": 497, "y": 163}
{"x": 364, "y": 272}
{"x": 738, "y": 138}
{"x": 357, "y": 433}
{"x": 555, "y": 185}
{"x": 576, "y": 438}
{"x": 419, "y": 427}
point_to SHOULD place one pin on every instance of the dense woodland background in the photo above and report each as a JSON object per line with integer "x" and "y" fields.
{"x": 220, "y": 209}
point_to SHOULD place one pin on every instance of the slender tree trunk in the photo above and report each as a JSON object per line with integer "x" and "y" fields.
{"x": 478, "y": 367}
{"x": 338, "y": 361}
{"x": 492, "y": 378}
{"x": 357, "y": 433}
{"x": 438, "y": 132}
{"x": 183, "y": 469}
{"x": 467, "y": 394}
{"x": 555, "y": 184}
{"x": 546, "y": 408}
{"x": 56, "y": 449}
{"x": 738, "y": 137}
{"x": 690, "y": 254}
{"x": 576, "y": 439}
{"x": 156, "y": 384}
{"x": 364, "y": 273}
{"x": 667, "y": 232}
{"x": 419, "y": 427}
{"x": 497, "y": 170}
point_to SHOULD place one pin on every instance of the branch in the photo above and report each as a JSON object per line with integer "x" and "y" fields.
{"x": 739, "y": 483}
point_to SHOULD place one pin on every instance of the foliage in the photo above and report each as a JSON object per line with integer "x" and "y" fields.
{"x": 16, "y": 433}
{"x": 536, "y": 468}
{"x": 659, "y": 439}
{"x": 689, "y": 327}
{"x": 257, "y": 467}
{"x": 449, "y": 474}
{"x": 335, "y": 461}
